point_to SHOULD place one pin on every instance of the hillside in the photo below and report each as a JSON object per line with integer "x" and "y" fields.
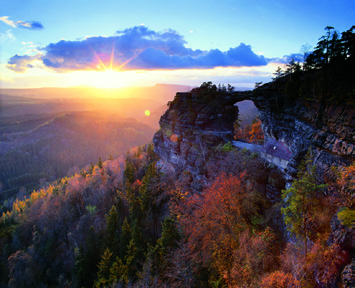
{"x": 39, "y": 148}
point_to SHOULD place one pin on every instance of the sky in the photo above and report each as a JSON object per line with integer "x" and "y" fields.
{"x": 118, "y": 43}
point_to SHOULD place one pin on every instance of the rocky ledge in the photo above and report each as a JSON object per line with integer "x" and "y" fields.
{"x": 196, "y": 121}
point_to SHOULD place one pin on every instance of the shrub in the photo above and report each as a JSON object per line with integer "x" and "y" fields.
{"x": 227, "y": 147}
{"x": 346, "y": 216}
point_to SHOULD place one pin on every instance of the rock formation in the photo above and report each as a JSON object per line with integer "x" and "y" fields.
{"x": 194, "y": 122}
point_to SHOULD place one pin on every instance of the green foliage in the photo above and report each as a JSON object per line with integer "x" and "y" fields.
{"x": 301, "y": 200}
{"x": 126, "y": 236}
{"x": 91, "y": 209}
{"x": 170, "y": 235}
{"x": 129, "y": 172}
{"x": 104, "y": 269}
{"x": 131, "y": 260}
{"x": 112, "y": 231}
{"x": 228, "y": 147}
{"x": 346, "y": 216}
{"x": 99, "y": 163}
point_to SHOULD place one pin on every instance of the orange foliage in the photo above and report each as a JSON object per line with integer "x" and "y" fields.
{"x": 213, "y": 221}
{"x": 324, "y": 262}
{"x": 346, "y": 185}
{"x": 256, "y": 133}
{"x": 254, "y": 257}
{"x": 279, "y": 279}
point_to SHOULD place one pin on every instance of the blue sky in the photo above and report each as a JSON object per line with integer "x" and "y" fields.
{"x": 125, "y": 43}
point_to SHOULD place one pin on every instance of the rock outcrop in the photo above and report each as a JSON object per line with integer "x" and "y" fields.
{"x": 195, "y": 122}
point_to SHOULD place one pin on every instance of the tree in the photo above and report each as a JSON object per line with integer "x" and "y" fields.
{"x": 129, "y": 172}
{"x": 305, "y": 50}
{"x": 278, "y": 73}
{"x": 293, "y": 67}
{"x": 99, "y": 163}
{"x": 279, "y": 279}
{"x": 256, "y": 133}
{"x": 103, "y": 274}
{"x": 126, "y": 236}
{"x": 112, "y": 229}
{"x": 213, "y": 221}
{"x": 258, "y": 84}
{"x": 301, "y": 201}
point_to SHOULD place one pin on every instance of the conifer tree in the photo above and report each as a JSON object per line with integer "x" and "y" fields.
{"x": 112, "y": 230}
{"x": 129, "y": 172}
{"x": 118, "y": 272}
{"x": 104, "y": 269}
{"x": 126, "y": 236}
{"x": 301, "y": 200}
{"x": 99, "y": 163}
{"x": 131, "y": 260}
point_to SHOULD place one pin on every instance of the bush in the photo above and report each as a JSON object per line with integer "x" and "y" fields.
{"x": 346, "y": 216}
{"x": 227, "y": 147}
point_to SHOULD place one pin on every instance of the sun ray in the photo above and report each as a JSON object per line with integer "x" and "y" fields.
{"x": 99, "y": 59}
{"x": 112, "y": 56}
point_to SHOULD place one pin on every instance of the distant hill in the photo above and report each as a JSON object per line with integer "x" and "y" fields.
{"x": 159, "y": 92}
{"x": 47, "y": 146}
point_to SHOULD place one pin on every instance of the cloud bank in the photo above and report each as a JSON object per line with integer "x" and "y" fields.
{"x": 137, "y": 48}
{"x": 31, "y": 25}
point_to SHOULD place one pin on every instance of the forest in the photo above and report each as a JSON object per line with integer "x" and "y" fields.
{"x": 39, "y": 148}
{"x": 123, "y": 222}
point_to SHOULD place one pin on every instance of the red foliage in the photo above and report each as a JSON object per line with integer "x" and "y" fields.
{"x": 324, "y": 263}
{"x": 279, "y": 279}
{"x": 213, "y": 221}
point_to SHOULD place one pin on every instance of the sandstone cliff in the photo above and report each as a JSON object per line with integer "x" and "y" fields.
{"x": 194, "y": 123}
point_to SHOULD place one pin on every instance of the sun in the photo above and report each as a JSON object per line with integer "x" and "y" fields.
{"x": 100, "y": 79}
{"x": 108, "y": 79}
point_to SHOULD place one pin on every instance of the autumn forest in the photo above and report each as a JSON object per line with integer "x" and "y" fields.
{"x": 194, "y": 209}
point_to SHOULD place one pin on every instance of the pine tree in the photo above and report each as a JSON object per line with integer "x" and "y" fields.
{"x": 91, "y": 257}
{"x": 118, "y": 272}
{"x": 126, "y": 236}
{"x": 131, "y": 260}
{"x": 112, "y": 229}
{"x": 103, "y": 274}
{"x": 170, "y": 235}
{"x": 129, "y": 172}
{"x": 151, "y": 177}
{"x": 301, "y": 200}
{"x": 139, "y": 240}
{"x": 99, "y": 163}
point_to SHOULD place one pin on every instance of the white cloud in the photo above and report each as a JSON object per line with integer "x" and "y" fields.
{"x": 6, "y": 20}
{"x": 5, "y": 36}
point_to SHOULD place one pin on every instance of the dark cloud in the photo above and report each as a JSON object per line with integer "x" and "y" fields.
{"x": 287, "y": 58}
{"x": 31, "y": 25}
{"x": 20, "y": 64}
{"x": 139, "y": 48}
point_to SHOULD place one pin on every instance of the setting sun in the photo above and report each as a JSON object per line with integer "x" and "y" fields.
{"x": 147, "y": 113}
{"x": 104, "y": 79}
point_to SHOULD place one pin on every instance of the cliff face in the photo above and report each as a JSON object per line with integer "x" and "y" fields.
{"x": 194, "y": 123}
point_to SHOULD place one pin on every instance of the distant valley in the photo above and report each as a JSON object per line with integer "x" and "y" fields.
{"x": 49, "y": 133}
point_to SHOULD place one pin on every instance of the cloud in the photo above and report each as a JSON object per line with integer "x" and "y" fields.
{"x": 5, "y": 36}
{"x": 21, "y": 64}
{"x": 286, "y": 58}
{"x": 137, "y": 48}
{"x": 31, "y": 25}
